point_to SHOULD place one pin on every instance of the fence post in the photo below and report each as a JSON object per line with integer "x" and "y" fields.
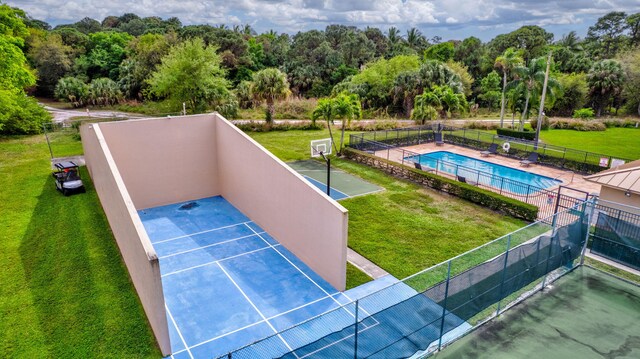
{"x": 437, "y": 166}
{"x": 456, "y": 170}
{"x": 546, "y": 269}
{"x": 419, "y": 138}
{"x": 528, "y": 190}
{"x": 588, "y": 212}
{"x": 403, "y": 156}
{"x": 504, "y": 273}
{"x": 355, "y": 345}
{"x": 501, "y": 183}
{"x": 444, "y": 305}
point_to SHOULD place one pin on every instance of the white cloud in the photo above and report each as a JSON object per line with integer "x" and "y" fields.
{"x": 466, "y": 16}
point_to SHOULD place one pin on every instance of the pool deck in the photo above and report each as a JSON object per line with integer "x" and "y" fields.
{"x": 568, "y": 178}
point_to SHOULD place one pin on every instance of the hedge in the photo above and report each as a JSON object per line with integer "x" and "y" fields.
{"x": 530, "y": 136}
{"x": 465, "y": 191}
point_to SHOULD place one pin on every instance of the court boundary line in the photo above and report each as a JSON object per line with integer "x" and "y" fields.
{"x": 311, "y": 180}
{"x": 256, "y": 308}
{"x": 216, "y": 261}
{"x": 184, "y": 342}
{"x": 263, "y": 321}
{"x": 351, "y": 301}
{"x": 201, "y": 232}
{"x": 332, "y": 343}
{"x": 299, "y": 270}
{"x": 207, "y": 246}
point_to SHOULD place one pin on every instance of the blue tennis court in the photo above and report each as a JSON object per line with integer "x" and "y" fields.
{"x": 227, "y": 283}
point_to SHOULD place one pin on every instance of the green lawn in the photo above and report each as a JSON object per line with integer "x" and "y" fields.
{"x": 356, "y": 277}
{"x": 405, "y": 228}
{"x": 65, "y": 291}
{"x": 622, "y": 142}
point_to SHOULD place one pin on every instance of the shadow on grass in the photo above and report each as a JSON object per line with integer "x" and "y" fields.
{"x": 86, "y": 304}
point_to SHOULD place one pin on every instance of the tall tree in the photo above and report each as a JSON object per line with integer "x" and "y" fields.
{"x": 270, "y": 85}
{"x": 605, "y": 80}
{"x": 191, "y": 73}
{"x": 347, "y": 107}
{"x": 507, "y": 62}
{"x": 608, "y": 34}
{"x": 405, "y": 88}
{"x": 531, "y": 79}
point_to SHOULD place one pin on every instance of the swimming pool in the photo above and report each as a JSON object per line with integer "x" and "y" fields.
{"x": 485, "y": 173}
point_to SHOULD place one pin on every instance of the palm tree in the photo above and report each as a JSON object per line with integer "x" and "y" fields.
{"x": 531, "y": 78}
{"x": 571, "y": 41}
{"x": 414, "y": 38}
{"x": 270, "y": 85}
{"x": 405, "y": 87}
{"x": 605, "y": 79}
{"x": 426, "y": 107}
{"x": 442, "y": 98}
{"x": 347, "y": 107}
{"x": 393, "y": 34}
{"x": 509, "y": 60}
{"x": 325, "y": 109}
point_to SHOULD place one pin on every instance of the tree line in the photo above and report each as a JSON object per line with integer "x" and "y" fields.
{"x": 132, "y": 58}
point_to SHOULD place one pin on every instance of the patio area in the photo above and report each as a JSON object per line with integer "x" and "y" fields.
{"x": 568, "y": 178}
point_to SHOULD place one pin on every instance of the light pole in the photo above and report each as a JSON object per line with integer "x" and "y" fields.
{"x": 541, "y": 110}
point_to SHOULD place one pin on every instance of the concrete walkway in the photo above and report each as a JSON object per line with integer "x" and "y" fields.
{"x": 365, "y": 265}
{"x": 612, "y": 263}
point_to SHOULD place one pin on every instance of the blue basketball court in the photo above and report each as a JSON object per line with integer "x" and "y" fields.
{"x": 228, "y": 283}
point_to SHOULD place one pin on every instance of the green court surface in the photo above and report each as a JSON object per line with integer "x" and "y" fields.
{"x": 346, "y": 183}
{"x": 585, "y": 314}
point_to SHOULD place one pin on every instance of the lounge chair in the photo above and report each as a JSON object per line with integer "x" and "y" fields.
{"x": 532, "y": 159}
{"x": 492, "y": 150}
{"x": 464, "y": 180}
{"x": 438, "y": 137}
{"x": 419, "y": 167}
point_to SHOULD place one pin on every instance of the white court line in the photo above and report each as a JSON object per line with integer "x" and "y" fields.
{"x": 334, "y": 343}
{"x": 262, "y": 321}
{"x": 216, "y": 261}
{"x": 299, "y": 270}
{"x": 351, "y": 301}
{"x": 201, "y": 232}
{"x": 207, "y": 246}
{"x": 256, "y": 308}
{"x": 178, "y": 330}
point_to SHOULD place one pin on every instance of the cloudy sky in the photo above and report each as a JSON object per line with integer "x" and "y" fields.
{"x": 449, "y": 19}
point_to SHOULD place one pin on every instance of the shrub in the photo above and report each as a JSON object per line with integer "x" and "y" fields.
{"x": 481, "y": 125}
{"x": 545, "y": 123}
{"x": 465, "y": 191}
{"x": 530, "y": 136}
{"x": 578, "y": 125}
{"x": 584, "y": 113}
{"x": 262, "y": 126}
{"x": 614, "y": 122}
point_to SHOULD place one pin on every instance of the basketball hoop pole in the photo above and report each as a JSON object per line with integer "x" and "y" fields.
{"x": 328, "y": 160}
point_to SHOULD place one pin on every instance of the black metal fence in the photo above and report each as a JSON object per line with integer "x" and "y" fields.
{"x": 547, "y": 201}
{"x": 616, "y": 235}
{"x": 550, "y": 155}
{"x": 425, "y": 311}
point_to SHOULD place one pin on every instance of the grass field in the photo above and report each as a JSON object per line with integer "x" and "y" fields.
{"x": 622, "y": 142}
{"x": 405, "y": 228}
{"x": 65, "y": 291}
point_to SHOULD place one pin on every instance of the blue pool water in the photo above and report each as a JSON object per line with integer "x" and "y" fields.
{"x": 486, "y": 173}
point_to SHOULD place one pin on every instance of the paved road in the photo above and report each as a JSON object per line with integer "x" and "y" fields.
{"x": 64, "y": 115}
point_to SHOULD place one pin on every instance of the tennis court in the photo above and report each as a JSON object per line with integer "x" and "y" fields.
{"x": 343, "y": 185}
{"x": 226, "y": 282}
{"x": 585, "y": 314}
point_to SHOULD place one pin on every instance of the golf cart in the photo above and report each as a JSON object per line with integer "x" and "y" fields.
{"x": 67, "y": 178}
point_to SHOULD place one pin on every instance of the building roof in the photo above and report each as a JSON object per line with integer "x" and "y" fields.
{"x": 625, "y": 177}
